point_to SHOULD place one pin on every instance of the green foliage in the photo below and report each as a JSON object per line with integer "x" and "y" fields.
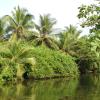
{"x": 15, "y": 56}
{"x": 68, "y": 38}
{"x": 46, "y": 24}
{"x": 20, "y": 23}
{"x": 44, "y": 29}
{"x": 51, "y": 63}
{"x": 1, "y": 27}
{"x": 8, "y": 74}
{"x": 85, "y": 55}
{"x": 90, "y": 16}
{"x": 18, "y": 60}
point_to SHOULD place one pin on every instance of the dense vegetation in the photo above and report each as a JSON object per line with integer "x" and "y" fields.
{"x": 21, "y": 60}
{"x": 31, "y": 50}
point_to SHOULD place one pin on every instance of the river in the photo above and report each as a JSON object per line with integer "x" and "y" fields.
{"x": 87, "y": 87}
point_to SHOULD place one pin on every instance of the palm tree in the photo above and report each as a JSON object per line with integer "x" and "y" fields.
{"x": 68, "y": 38}
{"x": 46, "y": 24}
{"x": 44, "y": 30}
{"x": 20, "y": 23}
{"x": 14, "y": 58}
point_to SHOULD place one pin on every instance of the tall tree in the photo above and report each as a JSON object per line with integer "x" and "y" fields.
{"x": 90, "y": 16}
{"x": 20, "y": 23}
{"x": 2, "y": 30}
{"x": 46, "y": 24}
{"x": 68, "y": 38}
{"x": 44, "y": 30}
{"x": 14, "y": 58}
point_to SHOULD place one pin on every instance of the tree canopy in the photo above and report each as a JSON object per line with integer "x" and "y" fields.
{"x": 90, "y": 16}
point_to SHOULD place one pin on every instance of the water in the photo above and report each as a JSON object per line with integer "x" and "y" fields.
{"x": 85, "y": 88}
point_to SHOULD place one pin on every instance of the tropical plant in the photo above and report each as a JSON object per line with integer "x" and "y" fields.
{"x": 15, "y": 58}
{"x": 68, "y": 38}
{"x": 46, "y": 24}
{"x": 44, "y": 30}
{"x": 20, "y": 23}
{"x": 94, "y": 40}
{"x": 86, "y": 56}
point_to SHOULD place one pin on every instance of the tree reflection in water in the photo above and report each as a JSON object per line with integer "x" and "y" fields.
{"x": 85, "y": 88}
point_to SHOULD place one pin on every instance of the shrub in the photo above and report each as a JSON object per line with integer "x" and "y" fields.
{"x": 50, "y": 63}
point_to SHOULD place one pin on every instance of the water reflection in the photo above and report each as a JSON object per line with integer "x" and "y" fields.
{"x": 89, "y": 88}
{"x": 86, "y": 88}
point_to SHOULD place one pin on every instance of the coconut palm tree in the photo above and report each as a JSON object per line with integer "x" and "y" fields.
{"x": 14, "y": 58}
{"x": 20, "y": 23}
{"x": 68, "y": 38}
{"x": 44, "y": 30}
{"x": 46, "y": 24}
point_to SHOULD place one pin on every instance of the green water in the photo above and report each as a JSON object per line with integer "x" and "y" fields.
{"x": 85, "y": 88}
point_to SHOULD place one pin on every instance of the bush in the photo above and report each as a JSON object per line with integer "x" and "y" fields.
{"x": 7, "y": 74}
{"x": 50, "y": 63}
{"x": 85, "y": 57}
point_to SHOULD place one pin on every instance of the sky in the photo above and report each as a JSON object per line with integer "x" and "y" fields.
{"x": 65, "y": 11}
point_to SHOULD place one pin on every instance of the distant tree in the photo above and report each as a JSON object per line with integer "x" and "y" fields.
{"x": 20, "y": 23}
{"x": 44, "y": 30}
{"x": 68, "y": 38}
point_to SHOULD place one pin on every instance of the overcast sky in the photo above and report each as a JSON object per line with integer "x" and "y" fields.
{"x": 65, "y": 11}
